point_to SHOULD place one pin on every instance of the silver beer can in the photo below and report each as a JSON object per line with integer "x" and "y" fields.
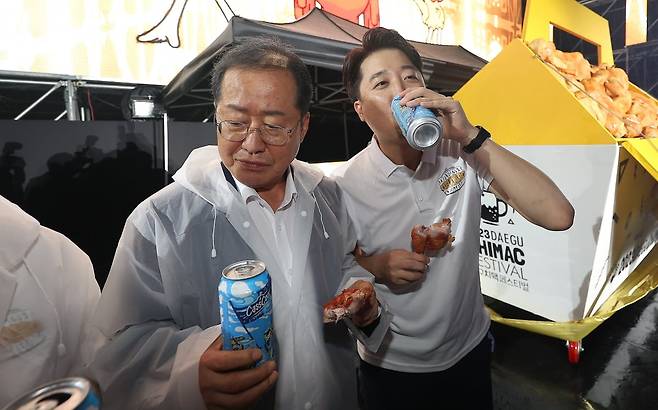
{"x": 419, "y": 125}
{"x": 73, "y": 393}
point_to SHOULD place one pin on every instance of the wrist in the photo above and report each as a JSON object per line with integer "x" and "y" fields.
{"x": 479, "y": 139}
{"x": 370, "y": 327}
{"x": 375, "y": 265}
{"x": 470, "y": 135}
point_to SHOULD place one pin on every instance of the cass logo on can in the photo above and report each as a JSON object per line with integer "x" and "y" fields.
{"x": 245, "y": 308}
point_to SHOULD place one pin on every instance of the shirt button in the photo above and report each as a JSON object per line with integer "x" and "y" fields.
{"x": 246, "y": 224}
{"x": 308, "y": 405}
{"x": 304, "y": 213}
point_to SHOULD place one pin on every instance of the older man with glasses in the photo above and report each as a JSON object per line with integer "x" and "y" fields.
{"x": 156, "y": 341}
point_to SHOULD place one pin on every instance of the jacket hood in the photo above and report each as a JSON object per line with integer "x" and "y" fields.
{"x": 19, "y": 232}
{"x": 202, "y": 174}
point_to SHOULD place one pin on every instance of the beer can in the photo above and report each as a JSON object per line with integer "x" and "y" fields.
{"x": 73, "y": 393}
{"x": 419, "y": 125}
{"x": 245, "y": 308}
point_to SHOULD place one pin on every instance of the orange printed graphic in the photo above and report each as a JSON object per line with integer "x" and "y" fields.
{"x": 348, "y": 9}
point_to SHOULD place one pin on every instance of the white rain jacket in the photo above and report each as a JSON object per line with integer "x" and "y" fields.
{"x": 159, "y": 309}
{"x": 47, "y": 291}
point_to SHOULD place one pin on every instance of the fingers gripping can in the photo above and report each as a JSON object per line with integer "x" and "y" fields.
{"x": 73, "y": 393}
{"x": 245, "y": 308}
{"x": 419, "y": 125}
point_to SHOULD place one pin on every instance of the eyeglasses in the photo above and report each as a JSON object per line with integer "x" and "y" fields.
{"x": 237, "y": 131}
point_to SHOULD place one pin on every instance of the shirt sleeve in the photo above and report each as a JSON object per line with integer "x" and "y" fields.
{"x": 135, "y": 350}
{"x": 374, "y": 338}
{"x": 352, "y": 272}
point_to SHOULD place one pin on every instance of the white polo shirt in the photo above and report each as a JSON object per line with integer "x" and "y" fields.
{"x": 275, "y": 226}
{"x": 439, "y": 320}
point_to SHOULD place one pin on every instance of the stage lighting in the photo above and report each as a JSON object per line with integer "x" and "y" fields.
{"x": 142, "y": 103}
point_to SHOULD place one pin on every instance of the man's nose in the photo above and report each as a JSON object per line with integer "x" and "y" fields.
{"x": 397, "y": 86}
{"x": 253, "y": 141}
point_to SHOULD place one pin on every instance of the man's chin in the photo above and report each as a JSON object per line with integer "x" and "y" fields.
{"x": 252, "y": 179}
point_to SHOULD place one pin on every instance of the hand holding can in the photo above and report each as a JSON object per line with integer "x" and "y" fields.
{"x": 228, "y": 379}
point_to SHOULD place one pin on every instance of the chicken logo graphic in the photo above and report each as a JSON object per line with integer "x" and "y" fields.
{"x": 168, "y": 28}
{"x": 434, "y": 17}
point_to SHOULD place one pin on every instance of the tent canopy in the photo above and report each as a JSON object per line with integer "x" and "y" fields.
{"x": 321, "y": 40}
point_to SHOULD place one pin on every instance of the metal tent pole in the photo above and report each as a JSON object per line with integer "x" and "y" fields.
{"x": 71, "y": 101}
{"x": 165, "y": 140}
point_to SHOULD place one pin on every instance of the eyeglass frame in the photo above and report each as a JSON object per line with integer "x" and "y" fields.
{"x": 248, "y": 130}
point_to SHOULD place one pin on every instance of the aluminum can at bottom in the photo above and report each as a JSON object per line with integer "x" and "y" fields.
{"x": 245, "y": 308}
{"x": 419, "y": 125}
{"x": 73, "y": 393}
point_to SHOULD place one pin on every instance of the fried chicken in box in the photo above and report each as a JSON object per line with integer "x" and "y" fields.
{"x": 604, "y": 91}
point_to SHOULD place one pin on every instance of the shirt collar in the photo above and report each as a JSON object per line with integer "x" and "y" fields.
{"x": 249, "y": 194}
{"x": 386, "y": 166}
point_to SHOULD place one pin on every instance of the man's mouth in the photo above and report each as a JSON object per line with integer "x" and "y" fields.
{"x": 254, "y": 165}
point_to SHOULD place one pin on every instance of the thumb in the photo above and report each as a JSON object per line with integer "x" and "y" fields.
{"x": 218, "y": 343}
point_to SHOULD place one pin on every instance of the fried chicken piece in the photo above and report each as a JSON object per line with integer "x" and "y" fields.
{"x": 619, "y": 75}
{"x": 650, "y": 132}
{"x": 633, "y": 126}
{"x": 433, "y": 238}
{"x": 418, "y": 238}
{"x": 439, "y": 236}
{"x": 575, "y": 65}
{"x": 615, "y": 126}
{"x": 543, "y": 48}
{"x": 346, "y": 303}
{"x": 623, "y": 102}
{"x": 645, "y": 109}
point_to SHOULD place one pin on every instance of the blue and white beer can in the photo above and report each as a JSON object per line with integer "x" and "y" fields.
{"x": 419, "y": 125}
{"x": 73, "y": 393}
{"x": 245, "y": 308}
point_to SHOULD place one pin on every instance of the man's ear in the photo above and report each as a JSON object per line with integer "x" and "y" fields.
{"x": 304, "y": 126}
{"x": 359, "y": 110}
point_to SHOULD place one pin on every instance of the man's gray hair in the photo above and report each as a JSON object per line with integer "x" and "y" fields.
{"x": 264, "y": 54}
